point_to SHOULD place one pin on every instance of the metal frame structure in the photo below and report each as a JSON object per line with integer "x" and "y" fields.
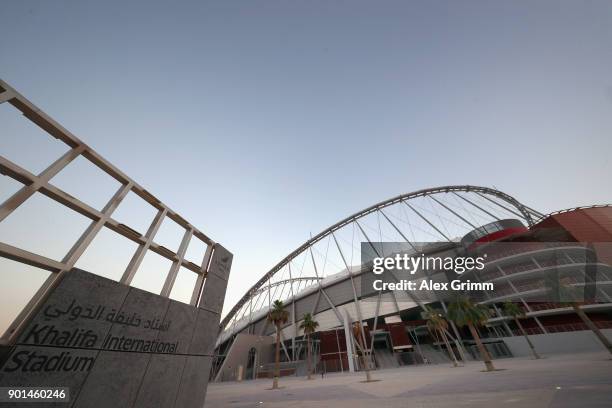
{"x": 522, "y": 211}
{"x": 33, "y": 183}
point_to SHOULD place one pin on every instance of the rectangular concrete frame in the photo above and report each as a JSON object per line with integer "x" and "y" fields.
{"x": 41, "y": 183}
{"x": 78, "y": 303}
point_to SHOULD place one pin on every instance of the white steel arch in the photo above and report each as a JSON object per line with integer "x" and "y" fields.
{"x": 470, "y": 203}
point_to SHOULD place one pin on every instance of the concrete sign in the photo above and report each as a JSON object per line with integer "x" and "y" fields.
{"x": 112, "y": 345}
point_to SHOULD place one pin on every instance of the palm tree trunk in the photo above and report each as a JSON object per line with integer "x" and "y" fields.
{"x": 486, "y": 358}
{"x": 520, "y": 326}
{"x": 309, "y": 357}
{"x": 589, "y": 323}
{"x": 451, "y": 353}
{"x": 277, "y": 359}
{"x": 365, "y": 359}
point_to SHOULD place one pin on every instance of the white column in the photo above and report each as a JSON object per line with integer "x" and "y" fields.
{"x": 348, "y": 334}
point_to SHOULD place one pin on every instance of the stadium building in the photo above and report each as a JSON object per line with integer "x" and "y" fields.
{"x": 324, "y": 277}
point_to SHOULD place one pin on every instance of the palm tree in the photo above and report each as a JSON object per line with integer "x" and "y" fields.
{"x": 359, "y": 337}
{"x": 570, "y": 296}
{"x": 310, "y": 326}
{"x": 465, "y": 313}
{"x": 436, "y": 323}
{"x": 278, "y": 316}
{"x": 511, "y": 309}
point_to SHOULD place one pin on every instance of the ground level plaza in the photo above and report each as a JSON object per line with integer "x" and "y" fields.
{"x": 557, "y": 381}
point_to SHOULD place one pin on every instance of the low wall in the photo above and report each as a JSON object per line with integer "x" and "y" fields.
{"x": 567, "y": 342}
{"x": 238, "y": 354}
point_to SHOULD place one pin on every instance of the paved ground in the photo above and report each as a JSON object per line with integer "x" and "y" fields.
{"x": 561, "y": 381}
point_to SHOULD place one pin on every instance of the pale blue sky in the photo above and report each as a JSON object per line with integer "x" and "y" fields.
{"x": 263, "y": 121}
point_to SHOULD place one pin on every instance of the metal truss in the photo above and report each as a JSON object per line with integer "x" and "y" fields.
{"x": 583, "y": 207}
{"x": 492, "y": 197}
{"x": 40, "y": 183}
{"x": 286, "y": 281}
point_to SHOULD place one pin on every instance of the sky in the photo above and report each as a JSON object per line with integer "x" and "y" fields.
{"x": 262, "y": 122}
